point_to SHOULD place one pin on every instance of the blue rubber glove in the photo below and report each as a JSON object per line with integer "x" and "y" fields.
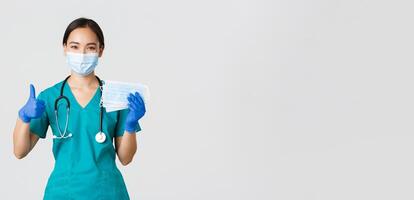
{"x": 136, "y": 111}
{"x": 33, "y": 108}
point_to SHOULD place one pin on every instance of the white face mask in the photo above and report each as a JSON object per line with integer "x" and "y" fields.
{"x": 82, "y": 64}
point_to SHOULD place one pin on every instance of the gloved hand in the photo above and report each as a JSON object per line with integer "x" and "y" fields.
{"x": 136, "y": 111}
{"x": 33, "y": 108}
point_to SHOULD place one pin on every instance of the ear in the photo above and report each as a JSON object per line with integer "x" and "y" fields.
{"x": 100, "y": 51}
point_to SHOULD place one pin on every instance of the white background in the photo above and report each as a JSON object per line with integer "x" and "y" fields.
{"x": 250, "y": 99}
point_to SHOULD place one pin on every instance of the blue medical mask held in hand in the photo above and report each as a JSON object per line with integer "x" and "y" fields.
{"x": 82, "y": 64}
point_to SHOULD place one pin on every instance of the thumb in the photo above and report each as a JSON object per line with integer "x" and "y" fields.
{"x": 32, "y": 92}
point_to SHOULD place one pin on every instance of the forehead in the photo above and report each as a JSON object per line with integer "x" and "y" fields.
{"x": 82, "y": 36}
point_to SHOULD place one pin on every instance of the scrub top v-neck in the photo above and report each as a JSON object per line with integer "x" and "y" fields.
{"x": 84, "y": 169}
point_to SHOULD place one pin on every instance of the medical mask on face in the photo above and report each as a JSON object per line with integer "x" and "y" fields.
{"x": 82, "y": 64}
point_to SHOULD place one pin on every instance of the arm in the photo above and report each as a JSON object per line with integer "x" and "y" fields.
{"x": 23, "y": 139}
{"x": 126, "y": 147}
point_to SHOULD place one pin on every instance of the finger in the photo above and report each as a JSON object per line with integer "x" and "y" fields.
{"x": 139, "y": 97}
{"x": 132, "y": 103}
{"x": 132, "y": 106}
{"x": 136, "y": 105}
{"x": 41, "y": 102}
{"x": 136, "y": 97}
{"x": 135, "y": 102}
{"x": 32, "y": 91}
{"x": 40, "y": 107}
{"x": 130, "y": 100}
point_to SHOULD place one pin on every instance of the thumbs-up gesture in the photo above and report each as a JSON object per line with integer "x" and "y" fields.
{"x": 33, "y": 108}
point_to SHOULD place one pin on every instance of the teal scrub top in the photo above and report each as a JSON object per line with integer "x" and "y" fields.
{"x": 84, "y": 169}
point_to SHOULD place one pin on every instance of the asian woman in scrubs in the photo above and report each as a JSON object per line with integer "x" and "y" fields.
{"x": 84, "y": 166}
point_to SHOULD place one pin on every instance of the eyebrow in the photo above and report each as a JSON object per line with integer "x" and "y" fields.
{"x": 90, "y": 43}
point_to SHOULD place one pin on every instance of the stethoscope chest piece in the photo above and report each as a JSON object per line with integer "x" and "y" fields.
{"x": 100, "y": 137}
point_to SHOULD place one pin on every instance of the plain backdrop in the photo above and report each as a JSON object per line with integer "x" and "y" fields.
{"x": 250, "y": 99}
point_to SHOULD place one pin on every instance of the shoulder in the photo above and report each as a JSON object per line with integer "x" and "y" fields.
{"x": 52, "y": 91}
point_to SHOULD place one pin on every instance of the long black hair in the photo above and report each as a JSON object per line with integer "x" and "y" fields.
{"x": 83, "y": 23}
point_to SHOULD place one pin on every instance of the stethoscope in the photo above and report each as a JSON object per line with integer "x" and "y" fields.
{"x": 100, "y": 137}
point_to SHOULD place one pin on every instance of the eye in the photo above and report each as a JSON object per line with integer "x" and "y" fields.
{"x": 74, "y": 47}
{"x": 92, "y": 48}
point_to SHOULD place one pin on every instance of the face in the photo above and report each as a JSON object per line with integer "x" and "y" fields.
{"x": 83, "y": 40}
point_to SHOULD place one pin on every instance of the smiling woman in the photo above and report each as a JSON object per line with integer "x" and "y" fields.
{"x": 84, "y": 150}
{"x": 83, "y": 39}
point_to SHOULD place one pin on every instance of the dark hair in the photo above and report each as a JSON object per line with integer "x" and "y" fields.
{"x": 83, "y": 23}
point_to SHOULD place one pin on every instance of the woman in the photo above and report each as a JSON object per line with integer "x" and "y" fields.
{"x": 83, "y": 132}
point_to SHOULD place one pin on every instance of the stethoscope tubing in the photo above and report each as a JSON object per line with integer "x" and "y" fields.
{"x": 62, "y": 135}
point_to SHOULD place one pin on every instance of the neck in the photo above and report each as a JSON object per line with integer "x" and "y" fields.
{"x": 79, "y": 81}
